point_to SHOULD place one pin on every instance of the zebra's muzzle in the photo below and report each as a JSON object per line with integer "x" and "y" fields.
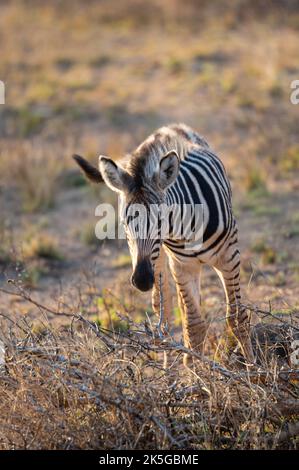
{"x": 143, "y": 275}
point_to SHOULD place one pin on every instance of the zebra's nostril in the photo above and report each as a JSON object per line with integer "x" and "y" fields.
{"x": 143, "y": 276}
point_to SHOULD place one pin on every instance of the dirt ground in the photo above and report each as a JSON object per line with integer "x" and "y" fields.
{"x": 118, "y": 76}
{"x": 97, "y": 78}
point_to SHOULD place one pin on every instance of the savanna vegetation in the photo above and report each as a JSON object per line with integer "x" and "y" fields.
{"x": 83, "y": 361}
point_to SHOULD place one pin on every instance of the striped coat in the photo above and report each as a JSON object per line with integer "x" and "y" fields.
{"x": 176, "y": 166}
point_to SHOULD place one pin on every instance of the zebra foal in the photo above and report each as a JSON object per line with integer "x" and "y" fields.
{"x": 175, "y": 165}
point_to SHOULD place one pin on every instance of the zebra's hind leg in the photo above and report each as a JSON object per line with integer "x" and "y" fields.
{"x": 188, "y": 289}
{"x": 238, "y": 320}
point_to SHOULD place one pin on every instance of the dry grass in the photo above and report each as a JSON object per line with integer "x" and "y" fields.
{"x": 33, "y": 169}
{"x": 85, "y": 386}
{"x": 41, "y": 245}
{"x": 6, "y": 243}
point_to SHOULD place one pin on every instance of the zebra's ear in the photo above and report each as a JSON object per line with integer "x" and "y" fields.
{"x": 89, "y": 170}
{"x": 114, "y": 176}
{"x": 169, "y": 169}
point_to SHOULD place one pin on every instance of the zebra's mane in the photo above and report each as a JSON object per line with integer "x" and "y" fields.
{"x": 143, "y": 163}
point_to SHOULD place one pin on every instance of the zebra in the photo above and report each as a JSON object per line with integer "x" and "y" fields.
{"x": 176, "y": 165}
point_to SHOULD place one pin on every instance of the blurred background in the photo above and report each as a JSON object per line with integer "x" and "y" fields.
{"x": 96, "y": 78}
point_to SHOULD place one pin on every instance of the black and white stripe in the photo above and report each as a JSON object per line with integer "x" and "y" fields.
{"x": 175, "y": 166}
{"x": 202, "y": 179}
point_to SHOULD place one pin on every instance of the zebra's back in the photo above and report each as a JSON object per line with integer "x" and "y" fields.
{"x": 203, "y": 180}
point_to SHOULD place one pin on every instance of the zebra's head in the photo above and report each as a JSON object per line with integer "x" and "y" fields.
{"x": 142, "y": 187}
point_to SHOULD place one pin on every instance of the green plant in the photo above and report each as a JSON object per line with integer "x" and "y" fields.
{"x": 29, "y": 121}
{"x": 122, "y": 261}
{"x": 290, "y": 161}
{"x": 31, "y": 275}
{"x": 255, "y": 182}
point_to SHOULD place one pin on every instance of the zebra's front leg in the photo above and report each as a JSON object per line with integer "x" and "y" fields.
{"x": 187, "y": 281}
{"x": 161, "y": 295}
{"x": 238, "y": 320}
